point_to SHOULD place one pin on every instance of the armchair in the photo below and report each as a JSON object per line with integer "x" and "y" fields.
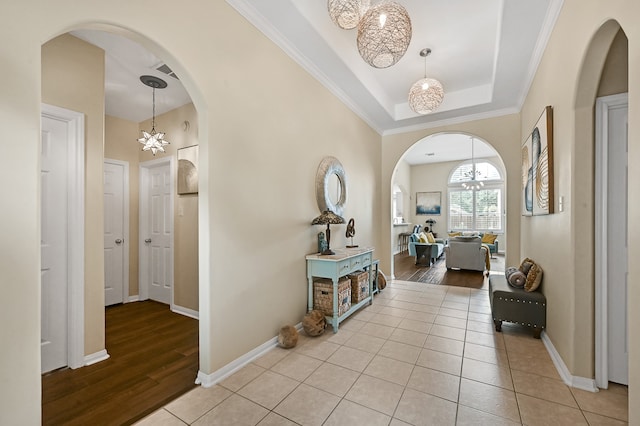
{"x": 430, "y": 251}
{"x": 466, "y": 253}
{"x": 493, "y": 247}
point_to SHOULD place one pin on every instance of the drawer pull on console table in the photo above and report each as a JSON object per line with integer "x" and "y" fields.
{"x": 343, "y": 262}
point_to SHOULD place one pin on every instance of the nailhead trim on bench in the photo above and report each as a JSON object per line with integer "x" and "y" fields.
{"x": 520, "y": 301}
{"x": 516, "y": 322}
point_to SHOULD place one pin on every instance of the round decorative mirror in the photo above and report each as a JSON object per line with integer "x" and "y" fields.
{"x": 331, "y": 186}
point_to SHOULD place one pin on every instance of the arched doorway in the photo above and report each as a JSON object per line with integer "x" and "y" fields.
{"x": 425, "y": 170}
{"x": 92, "y": 324}
{"x": 603, "y": 83}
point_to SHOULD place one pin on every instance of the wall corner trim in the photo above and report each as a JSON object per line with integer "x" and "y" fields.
{"x": 208, "y": 380}
{"x": 96, "y": 357}
{"x": 185, "y": 311}
{"x": 570, "y": 380}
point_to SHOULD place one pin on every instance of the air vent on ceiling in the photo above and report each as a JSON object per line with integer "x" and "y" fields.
{"x": 164, "y": 68}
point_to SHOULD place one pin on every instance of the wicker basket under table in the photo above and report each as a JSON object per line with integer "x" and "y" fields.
{"x": 323, "y": 295}
{"x": 359, "y": 286}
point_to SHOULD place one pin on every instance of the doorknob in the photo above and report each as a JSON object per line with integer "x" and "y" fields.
{"x": 148, "y": 240}
{"x": 118, "y": 241}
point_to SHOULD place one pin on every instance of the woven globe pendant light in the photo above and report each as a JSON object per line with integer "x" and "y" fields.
{"x": 347, "y": 13}
{"x": 384, "y": 34}
{"x": 426, "y": 94}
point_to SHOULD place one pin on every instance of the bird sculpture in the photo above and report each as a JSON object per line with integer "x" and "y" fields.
{"x": 351, "y": 231}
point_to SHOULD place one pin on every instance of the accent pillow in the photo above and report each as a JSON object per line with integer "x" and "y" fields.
{"x": 430, "y": 238}
{"x": 455, "y": 234}
{"x": 526, "y": 265}
{"x": 423, "y": 237}
{"x": 534, "y": 278}
{"x": 510, "y": 270}
{"x": 489, "y": 238}
{"x": 517, "y": 279}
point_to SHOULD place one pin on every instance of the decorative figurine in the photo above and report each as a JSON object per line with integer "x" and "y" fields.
{"x": 322, "y": 242}
{"x": 351, "y": 231}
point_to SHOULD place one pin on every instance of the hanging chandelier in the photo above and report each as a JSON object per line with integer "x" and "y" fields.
{"x": 347, "y": 13}
{"x": 426, "y": 94}
{"x": 384, "y": 33}
{"x": 153, "y": 140}
{"x": 473, "y": 175}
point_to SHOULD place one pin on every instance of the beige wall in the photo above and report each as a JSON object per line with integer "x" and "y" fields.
{"x": 120, "y": 144}
{"x": 615, "y": 74}
{"x": 73, "y": 78}
{"x": 503, "y": 133}
{"x": 568, "y": 79}
{"x": 185, "y": 220}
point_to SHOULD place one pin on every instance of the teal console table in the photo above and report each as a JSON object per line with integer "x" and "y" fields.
{"x": 343, "y": 262}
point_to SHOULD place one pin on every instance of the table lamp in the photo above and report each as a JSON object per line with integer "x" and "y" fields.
{"x": 326, "y": 218}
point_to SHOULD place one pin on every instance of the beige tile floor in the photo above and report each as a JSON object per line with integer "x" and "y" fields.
{"x": 420, "y": 355}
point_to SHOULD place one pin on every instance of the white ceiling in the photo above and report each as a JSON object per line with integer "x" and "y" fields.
{"x": 485, "y": 53}
{"x": 125, "y": 61}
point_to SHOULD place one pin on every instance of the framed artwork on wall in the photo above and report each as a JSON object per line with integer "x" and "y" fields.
{"x": 428, "y": 203}
{"x": 188, "y": 170}
{"x": 537, "y": 167}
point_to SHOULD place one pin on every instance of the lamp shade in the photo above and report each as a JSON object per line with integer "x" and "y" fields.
{"x": 384, "y": 34}
{"x": 347, "y": 13}
{"x": 426, "y": 95}
{"x": 328, "y": 217}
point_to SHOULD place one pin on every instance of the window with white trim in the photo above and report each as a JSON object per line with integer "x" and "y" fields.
{"x": 476, "y": 198}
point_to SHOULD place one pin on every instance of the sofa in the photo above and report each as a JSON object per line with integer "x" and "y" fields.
{"x": 466, "y": 253}
{"x": 493, "y": 247}
{"x": 429, "y": 251}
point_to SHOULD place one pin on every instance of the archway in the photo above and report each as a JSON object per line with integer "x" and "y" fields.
{"x": 604, "y": 72}
{"x": 425, "y": 169}
{"x": 93, "y": 324}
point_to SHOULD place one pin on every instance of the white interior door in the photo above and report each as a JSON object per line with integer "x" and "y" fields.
{"x": 116, "y": 240}
{"x": 617, "y": 260}
{"x": 53, "y": 244}
{"x": 157, "y": 230}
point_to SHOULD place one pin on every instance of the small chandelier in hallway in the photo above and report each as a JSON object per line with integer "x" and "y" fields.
{"x": 473, "y": 174}
{"x": 153, "y": 140}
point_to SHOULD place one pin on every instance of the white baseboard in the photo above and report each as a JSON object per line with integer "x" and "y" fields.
{"x": 96, "y": 357}
{"x": 208, "y": 380}
{"x": 185, "y": 311}
{"x": 570, "y": 380}
{"x": 134, "y": 298}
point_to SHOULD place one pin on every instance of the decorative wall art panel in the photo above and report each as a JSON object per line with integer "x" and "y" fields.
{"x": 428, "y": 203}
{"x": 537, "y": 167}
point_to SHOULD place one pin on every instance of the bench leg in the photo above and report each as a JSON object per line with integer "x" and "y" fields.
{"x": 498, "y": 324}
{"x": 536, "y": 332}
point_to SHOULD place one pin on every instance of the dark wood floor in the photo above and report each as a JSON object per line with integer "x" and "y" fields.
{"x": 405, "y": 269}
{"x": 153, "y": 359}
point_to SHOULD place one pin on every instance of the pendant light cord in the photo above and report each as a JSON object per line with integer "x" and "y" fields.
{"x": 153, "y": 117}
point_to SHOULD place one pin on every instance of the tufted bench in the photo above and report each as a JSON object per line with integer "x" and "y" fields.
{"x": 516, "y": 305}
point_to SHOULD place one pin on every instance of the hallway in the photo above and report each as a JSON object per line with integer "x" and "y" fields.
{"x": 422, "y": 354}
